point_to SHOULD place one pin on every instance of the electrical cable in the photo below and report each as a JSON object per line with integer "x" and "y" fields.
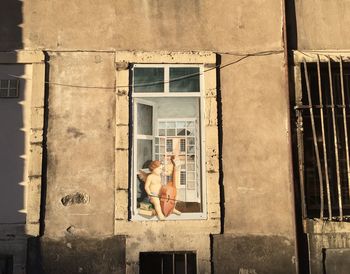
{"x": 243, "y": 56}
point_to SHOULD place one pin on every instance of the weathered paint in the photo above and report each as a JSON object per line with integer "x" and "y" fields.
{"x": 256, "y": 156}
{"x": 153, "y": 25}
{"x": 253, "y": 254}
{"x": 81, "y": 130}
{"x": 82, "y": 155}
{"x": 76, "y": 255}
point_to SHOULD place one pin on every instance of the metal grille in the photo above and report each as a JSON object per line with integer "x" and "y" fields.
{"x": 168, "y": 263}
{"x": 323, "y": 117}
{"x": 9, "y": 88}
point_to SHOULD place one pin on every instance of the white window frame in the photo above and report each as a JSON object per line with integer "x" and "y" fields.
{"x": 139, "y": 96}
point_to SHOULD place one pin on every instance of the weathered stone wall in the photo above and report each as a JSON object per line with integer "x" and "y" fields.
{"x": 80, "y": 39}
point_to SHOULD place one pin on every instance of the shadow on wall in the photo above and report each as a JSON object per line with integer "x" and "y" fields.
{"x": 10, "y": 25}
{"x": 12, "y": 136}
{"x": 12, "y": 141}
{"x": 12, "y": 125}
{"x": 14, "y": 131}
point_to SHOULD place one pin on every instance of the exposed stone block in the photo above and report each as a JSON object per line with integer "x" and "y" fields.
{"x": 35, "y": 164}
{"x": 75, "y": 198}
{"x": 122, "y": 137}
{"x": 122, "y": 110}
{"x": 121, "y": 204}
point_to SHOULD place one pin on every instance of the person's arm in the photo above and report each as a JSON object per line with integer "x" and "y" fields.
{"x": 148, "y": 184}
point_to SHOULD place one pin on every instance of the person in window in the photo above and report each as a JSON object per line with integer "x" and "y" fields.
{"x": 153, "y": 187}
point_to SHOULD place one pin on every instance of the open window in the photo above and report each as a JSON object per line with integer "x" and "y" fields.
{"x": 167, "y": 121}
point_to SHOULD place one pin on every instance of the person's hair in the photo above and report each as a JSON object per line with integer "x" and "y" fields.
{"x": 154, "y": 164}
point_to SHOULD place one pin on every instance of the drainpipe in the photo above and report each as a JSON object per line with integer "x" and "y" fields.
{"x": 285, "y": 45}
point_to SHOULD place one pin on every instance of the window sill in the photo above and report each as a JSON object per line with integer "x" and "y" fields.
{"x": 173, "y": 217}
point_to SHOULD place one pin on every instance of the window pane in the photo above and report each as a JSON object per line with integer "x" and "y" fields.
{"x": 180, "y": 124}
{"x": 184, "y": 79}
{"x": 167, "y": 263}
{"x": 180, "y": 263}
{"x": 183, "y": 145}
{"x": 170, "y": 132}
{"x": 181, "y": 132}
{"x": 144, "y": 119}
{"x": 148, "y": 79}
{"x": 183, "y": 178}
{"x": 190, "y": 149}
{"x": 191, "y": 263}
{"x": 144, "y": 153}
{"x": 4, "y": 83}
{"x": 150, "y": 262}
{"x": 144, "y": 157}
{"x": 13, "y": 93}
{"x": 3, "y": 93}
{"x": 169, "y": 145}
{"x": 170, "y": 125}
{"x": 190, "y": 124}
{"x": 191, "y": 141}
{"x": 13, "y": 84}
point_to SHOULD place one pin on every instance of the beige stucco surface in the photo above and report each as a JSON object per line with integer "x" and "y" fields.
{"x": 153, "y": 25}
{"x": 80, "y": 144}
{"x": 256, "y": 147}
{"x": 322, "y": 24}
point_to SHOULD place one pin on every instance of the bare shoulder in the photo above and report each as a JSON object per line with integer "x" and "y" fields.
{"x": 151, "y": 177}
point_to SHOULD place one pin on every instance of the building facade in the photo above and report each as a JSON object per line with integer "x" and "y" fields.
{"x": 244, "y": 106}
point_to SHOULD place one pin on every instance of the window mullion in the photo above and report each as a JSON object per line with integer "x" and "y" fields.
{"x": 166, "y": 79}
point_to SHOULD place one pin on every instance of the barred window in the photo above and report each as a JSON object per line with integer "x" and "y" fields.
{"x": 323, "y": 117}
{"x": 168, "y": 262}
